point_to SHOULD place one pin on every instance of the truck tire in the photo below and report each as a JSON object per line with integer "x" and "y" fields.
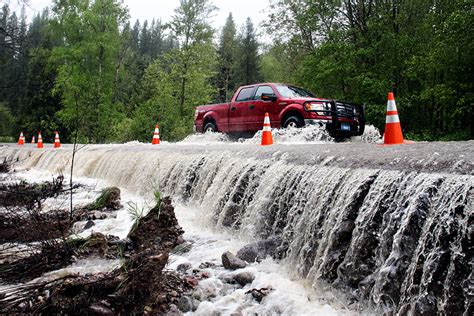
{"x": 293, "y": 122}
{"x": 210, "y": 127}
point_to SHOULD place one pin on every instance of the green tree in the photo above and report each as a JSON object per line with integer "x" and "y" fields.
{"x": 248, "y": 68}
{"x": 226, "y": 59}
{"x": 86, "y": 64}
{"x": 359, "y": 50}
{"x": 181, "y": 79}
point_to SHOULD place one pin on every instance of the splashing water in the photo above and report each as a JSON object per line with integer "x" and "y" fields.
{"x": 389, "y": 226}
{"x": 371, "y": 135}
{"x": 206, "y": 139}
{"x": 306, "y": 134}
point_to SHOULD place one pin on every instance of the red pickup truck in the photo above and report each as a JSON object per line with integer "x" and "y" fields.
{"x": 287, "y": 105}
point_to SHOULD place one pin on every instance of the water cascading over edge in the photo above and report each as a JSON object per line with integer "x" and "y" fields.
{"x": 397, "y": 239}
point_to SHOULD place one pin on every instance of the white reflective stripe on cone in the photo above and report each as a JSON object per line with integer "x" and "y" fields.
{"x": 267, "y": 129}
{"x": 392, "y": 119}
{"x": 266, "y": 120}
{"x": 391, "y": 105}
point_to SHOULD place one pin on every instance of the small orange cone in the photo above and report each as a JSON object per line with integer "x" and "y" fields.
{"x": 57, "y": 143}
{"x": 267, "y": 138}
{"x": 40, "y": 141}
{"x": 156, "y": 136}
{"x": 393, "y": 131}
{"x": 33, "y": 140}
{"x": 21, "y": 139}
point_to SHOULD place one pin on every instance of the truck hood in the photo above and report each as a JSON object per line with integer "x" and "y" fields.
{"x": 303, "y": 100}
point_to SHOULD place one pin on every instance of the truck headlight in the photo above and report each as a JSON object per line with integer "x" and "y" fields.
{"x": 315, "y": 106}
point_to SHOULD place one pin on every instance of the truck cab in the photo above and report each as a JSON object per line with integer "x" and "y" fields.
{"x": 288, "y": 106}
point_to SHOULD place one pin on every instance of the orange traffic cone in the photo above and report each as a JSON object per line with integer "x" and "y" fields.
{"x": 33, "y": 140}
{"x": 393, "y": 131}
{"x": 156, "y": 136}
{"x": 21, "y": 139}
{"x": 57, "y": 143}
{"x": 267, "y": 138}
{"x": 40, "y": 141}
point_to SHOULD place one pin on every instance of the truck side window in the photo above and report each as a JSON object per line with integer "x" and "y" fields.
{"x": 245, "y": 94}
{"x": 263, "y": 89}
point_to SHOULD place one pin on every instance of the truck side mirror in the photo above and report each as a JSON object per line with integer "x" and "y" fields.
{"x": 268, "y": 97}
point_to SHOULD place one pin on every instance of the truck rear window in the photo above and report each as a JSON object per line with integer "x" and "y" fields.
{"x": 245, "y": 94}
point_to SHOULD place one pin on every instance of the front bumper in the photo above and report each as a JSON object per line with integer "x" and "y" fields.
{"x": 340, "y": 119}
{"x": 317, "y": 121}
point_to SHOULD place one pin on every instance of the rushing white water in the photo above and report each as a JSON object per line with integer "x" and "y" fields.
{"x": 310, "y": 134}
{"x": 391, "y": 236}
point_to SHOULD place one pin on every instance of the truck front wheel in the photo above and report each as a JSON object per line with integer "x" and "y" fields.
{"x": 293, "y": 122}
{"x": 210, "y": 127}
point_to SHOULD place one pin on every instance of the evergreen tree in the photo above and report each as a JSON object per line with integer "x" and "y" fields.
{"x": 226, "y": 56}
{"x": 180, "y": 80}
{"x": 248, "y": 68}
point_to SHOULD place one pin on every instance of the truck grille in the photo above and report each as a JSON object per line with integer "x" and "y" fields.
{"x": 345, "y": 110}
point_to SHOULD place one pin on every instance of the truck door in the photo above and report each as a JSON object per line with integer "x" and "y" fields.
{"x": 238, "y": 111}
{"x": 258, "y": 108}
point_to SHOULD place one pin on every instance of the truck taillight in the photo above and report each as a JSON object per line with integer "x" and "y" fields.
{"x": 196, "y": 113}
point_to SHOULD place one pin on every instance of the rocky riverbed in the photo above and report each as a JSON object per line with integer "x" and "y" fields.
{"x": 56, "y": 261}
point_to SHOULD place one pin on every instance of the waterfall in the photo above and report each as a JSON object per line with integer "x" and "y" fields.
{"x": 396, "y": 238}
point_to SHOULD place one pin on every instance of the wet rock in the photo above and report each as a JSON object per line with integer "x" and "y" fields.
{"x": 202, "y": 275}
{"x": 124, "y": 244}
{"x": 183, "y": 267}
{"x": 244, "y": 278}
{"x": 257, "y": 251}
{"x": 231, "y": 262}
{"x": 209, "y": 292}
{"x": 185, "y": 304}
{"x": 99, "y": 309}
{"x": 180, "y": 240}
{"x": 173, "y": 311}
{"x": 182, "y": 248}
{"x": 191, "y": 281}
{"x": 259, "y": 294}
{"x": 195, "y": 304}
{"x": 197, "y": 294}
{"x": 206, "y": 265}
{"x": 89, "y": 224}
{"x": 228, "y": 278}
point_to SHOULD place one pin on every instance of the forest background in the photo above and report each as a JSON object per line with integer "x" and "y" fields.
{"x": 82, "y": 65}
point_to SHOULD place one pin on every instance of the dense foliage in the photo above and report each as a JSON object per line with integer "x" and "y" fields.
{"x": 81, "y": 68}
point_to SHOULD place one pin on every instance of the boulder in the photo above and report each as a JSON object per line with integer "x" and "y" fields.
{"x": 257, "y": 251}
{"x": 183, "y": 267}
{"x": 244, "y": 278}
{"x": 89, "y": 224}
{"x": 231, "y": 262}
{"x": 206, "y": 265}
{"x": 185, "y": 304}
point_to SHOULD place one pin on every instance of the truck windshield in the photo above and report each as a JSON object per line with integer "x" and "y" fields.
{"x": 293, "y": 92}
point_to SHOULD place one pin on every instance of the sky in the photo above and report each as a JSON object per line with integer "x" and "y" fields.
{"x": 257, "y": 10}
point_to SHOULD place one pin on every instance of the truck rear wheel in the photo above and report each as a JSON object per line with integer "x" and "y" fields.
{"x": 293, "y": 122}
{"x": 210, "y": 127}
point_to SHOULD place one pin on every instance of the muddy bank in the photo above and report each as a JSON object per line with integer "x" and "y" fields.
{"x": 140, "y": 285}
